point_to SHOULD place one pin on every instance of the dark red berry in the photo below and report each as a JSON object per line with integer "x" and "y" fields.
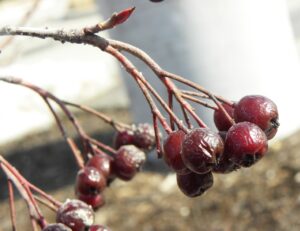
{"x": 225, "y": 165}
{"x": 221, "y": 121}
{"x": 128, "y": 161}
{"x": 99, "y": 228}
{"x": 56, "y": 227}
{"x": 259, "y": 110}
{"x": 101, "y": 163}
{"x": 194, "y": 184}
{"x": 201, "y": 150}
{"x": 172, "y": 149}
{"x": 96, "y": 201}
{"x": 75, "y": 214}
{"x": 246, "y": 143}
{"x": 142, "y": 136}
{"x": 90, "y": 181}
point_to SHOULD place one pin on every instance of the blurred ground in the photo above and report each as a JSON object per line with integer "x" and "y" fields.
{"x": 265, "y": 197}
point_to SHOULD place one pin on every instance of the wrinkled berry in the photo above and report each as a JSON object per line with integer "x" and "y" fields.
{"x": 201, "y": 150}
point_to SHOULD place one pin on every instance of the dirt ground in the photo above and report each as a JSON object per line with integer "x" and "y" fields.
{"x": 264, "y": 197}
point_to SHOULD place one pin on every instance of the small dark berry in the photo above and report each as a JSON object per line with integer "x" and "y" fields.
{"x": 90, "y": 181}
{"x": 194, "y": 184}
{"x": 75, "y": 214}
{"x": 172, "y": 149}
{"x": 56, "y": 227}
{"x": 96, "y": 201}
{"x": 201, "y": 150}
{"x": 221, "y": 121}
{"x": 142, "y": 136}
{"x": 246, "y": 143}
{"x": 128, "y": 161}
{"x": 259, "y": 110}
{"x": 101, "y": 163}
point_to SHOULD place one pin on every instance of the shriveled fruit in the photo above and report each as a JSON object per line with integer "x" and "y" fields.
{"x": 201, "y": 150}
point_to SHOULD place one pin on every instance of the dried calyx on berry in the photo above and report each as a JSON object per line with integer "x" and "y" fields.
{"x": 141, "y": 135}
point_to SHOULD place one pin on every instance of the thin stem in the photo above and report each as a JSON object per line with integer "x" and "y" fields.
{"x": 205, "y": 104}
{"x": 170, "y": 104}
{"x": 48, "y": 197}
{"x": 46, "y": 203}
{"x": 102, "y": 116}
{"x": 12, "y": 208}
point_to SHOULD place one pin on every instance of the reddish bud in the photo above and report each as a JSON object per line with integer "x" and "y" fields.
{"x": 123, "y": 15}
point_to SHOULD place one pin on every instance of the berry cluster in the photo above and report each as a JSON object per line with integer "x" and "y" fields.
{"x": 101, "y": 169}
{"x": 199, "y": 152}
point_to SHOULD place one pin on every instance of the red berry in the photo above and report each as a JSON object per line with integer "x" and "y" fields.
{"x": 259, "y": 110}
{"x": 99, "y": 228}
{"x": 172, "y": 149}
{"x": 75, "y": 214}
{"x": 96, "y": 201}
{"x": 56, "y": 227}
{"x": 225, "y": 165}
{"x": 101, "y": 163}
{"x": 201, "y": 150}
{"x": 194, "y": 184}
{"x": 90, "y": 181}
{"x": 142, "y": 136}
{"x": 221, "y": 121}
{"x": 128, "y": 161}
{"x": 246, "y": 143}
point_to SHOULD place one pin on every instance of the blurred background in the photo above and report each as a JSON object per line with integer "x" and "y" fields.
{"x": 232, "y": 48}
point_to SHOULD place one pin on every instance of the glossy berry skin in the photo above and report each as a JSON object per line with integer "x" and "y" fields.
{"x": 101, "y": 163}
{"x": 193, "y": 184}
{"x": 56, "y": 227}
{"x": 201, "y": 149}
{"x": 99, "y": 228}
{"x": 75, "y": 214}
{"x": 259, "y": 110}
{"x": 96, "y": 201}
{"x": 246, "y": 143}
{"x": 141, "y": 135}
{"x": 171, "y": 154}
{"x": 128, "y": 161}
{"x": 90, "y": 181}
{"x": 221, "y": 121}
